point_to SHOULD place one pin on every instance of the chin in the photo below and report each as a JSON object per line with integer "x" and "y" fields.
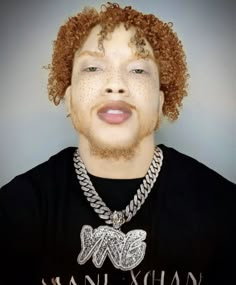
{"x": 113, "y": 143}
{"x": 117, "y": 138}
{"x": 113, "y": 146}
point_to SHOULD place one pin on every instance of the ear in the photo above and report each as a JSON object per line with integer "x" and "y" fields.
{"x": 161, "y": 102}
{"x": 68, "y": 99}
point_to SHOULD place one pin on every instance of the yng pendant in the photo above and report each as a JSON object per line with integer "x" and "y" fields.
{"x": 126, "y": 251}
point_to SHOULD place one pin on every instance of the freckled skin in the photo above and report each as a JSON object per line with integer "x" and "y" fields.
{"x": 118, "y": 69}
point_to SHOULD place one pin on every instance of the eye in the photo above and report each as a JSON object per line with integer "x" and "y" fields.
{"x": 91, "y": 69}
{"x": 138, "y": 71}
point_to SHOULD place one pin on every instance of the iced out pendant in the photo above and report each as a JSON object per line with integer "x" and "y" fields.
{"x": 126, "y": 251}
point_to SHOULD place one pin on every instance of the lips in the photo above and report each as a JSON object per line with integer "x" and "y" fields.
{"x": 116, "y": 112}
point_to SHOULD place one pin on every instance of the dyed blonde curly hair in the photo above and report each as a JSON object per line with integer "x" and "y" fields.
{"x": 167, "y": 49}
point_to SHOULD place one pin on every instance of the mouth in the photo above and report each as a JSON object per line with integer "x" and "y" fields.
{"x": 116, "y": 112}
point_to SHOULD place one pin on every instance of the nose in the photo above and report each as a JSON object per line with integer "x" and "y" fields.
{"x": 116, "y": 85}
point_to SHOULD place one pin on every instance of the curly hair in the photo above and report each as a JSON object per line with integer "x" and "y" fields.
{"x": 167, "y": 49}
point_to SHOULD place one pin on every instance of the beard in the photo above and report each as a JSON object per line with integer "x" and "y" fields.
{"x": 119, "y": 150}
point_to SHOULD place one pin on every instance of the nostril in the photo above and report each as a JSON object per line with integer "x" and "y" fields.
{"x": 108, "y": 90}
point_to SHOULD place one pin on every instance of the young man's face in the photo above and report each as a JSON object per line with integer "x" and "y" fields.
{"x": 114, "y": 97}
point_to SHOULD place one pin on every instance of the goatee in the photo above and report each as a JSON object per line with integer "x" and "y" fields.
{"x": 114, "y": 153}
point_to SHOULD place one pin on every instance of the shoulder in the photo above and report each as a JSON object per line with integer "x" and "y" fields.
{"x": 25, "y": 199}
{"x": 185, "y": 177}
{"x": 182, "y": 166}
{"x": 55, "y": 166}
{"x": 198, "y": 191}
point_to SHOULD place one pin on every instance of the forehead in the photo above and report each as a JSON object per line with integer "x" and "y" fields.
{"x": 120, "y": 39}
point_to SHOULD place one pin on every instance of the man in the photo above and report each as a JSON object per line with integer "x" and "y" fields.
{"x": 118, "y": 210}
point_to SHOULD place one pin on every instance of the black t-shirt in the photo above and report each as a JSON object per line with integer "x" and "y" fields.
{"x": 189, "y": 218}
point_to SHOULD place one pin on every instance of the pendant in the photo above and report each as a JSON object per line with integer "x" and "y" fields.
{"x": 117, "y": 219}
{"x": 125, "y": 251}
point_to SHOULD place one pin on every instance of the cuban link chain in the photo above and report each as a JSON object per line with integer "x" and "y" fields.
{"x": 118, "y": 218}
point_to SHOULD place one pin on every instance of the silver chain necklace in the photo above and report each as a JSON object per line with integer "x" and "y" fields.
{"x": 125, "y": 251}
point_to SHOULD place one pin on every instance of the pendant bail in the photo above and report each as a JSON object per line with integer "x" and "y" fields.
{"x": 118, "y": 219}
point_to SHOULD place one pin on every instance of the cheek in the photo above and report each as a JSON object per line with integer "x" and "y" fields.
{"x": 85, "y": 91}
{"x": 146, "y": 95}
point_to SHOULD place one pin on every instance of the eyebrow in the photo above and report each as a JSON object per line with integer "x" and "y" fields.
{"x": 100, "y": 55}
{"x": 90, "y": 53}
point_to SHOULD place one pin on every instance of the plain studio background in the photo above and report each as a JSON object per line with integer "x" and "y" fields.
{"x": 32, "y": 129}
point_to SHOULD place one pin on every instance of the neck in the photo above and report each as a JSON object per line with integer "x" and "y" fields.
{"x": 122, "y": 168}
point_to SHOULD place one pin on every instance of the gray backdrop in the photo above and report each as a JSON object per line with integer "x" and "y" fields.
{"x": 32, "y": 129}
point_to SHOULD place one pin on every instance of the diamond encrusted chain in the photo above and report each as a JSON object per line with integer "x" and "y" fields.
{"x": 118, "y": 218}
